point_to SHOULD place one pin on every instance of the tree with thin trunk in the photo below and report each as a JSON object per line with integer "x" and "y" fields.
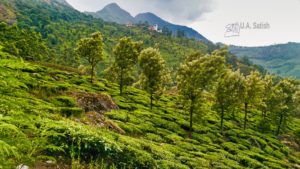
{"x": 251, "y": 94}
{"x": 266, "y": 95}
{"x": 126, "y": 55}
{"x": 227, "y": 93}
{"x": 285, "y": 103}
{"x": 91, "y": 49}
{"x": 154, "y": 74}
{"x": 196, "y": 75}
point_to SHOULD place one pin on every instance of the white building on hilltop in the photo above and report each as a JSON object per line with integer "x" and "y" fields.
{"x": 155, "y": 28}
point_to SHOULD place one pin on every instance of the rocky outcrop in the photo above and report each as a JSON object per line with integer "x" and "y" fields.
{"x": 91, "y": 102}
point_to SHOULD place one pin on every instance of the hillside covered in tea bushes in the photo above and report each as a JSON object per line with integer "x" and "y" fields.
{"x": 44, "y": 117}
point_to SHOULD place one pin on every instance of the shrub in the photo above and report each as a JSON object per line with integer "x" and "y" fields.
{"x": 278, "y": 154}
{"x": 173, "y": 138}
{"x": 71, "y": 111}
{"x": 154, "y": 137}
{"x": 249, "y": 162}
{"x": 231, "y": 147}
{"x": 131, "y": 129}
{"x": 202, "y": 138}
{"x": 64, "y": 101}
{"x": 165, "y": 164}
{"x": 159, "y": 152}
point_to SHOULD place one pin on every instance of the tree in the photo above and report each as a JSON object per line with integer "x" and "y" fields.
{"x": 267, "y": 92}
{"x": 126, "y": 56}
{"x": 32, "y": 46}
{"x": 180, "y": 34}
{"x": 23, "y": 43}
{"x": 266, "y": 103}
{"x": 154, "y": 74}
{"x": 285, "y": 100}
{"x": 91, "y": 49}
{"x": 251, "y": 94}
{"x": 227, "y": 93}
{"x": 196, "y": 75}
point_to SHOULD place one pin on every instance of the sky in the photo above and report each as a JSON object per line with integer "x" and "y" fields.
{"x": 233, "y": 22}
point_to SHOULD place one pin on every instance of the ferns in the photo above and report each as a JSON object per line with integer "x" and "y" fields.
{"x": 9, "y": 130}
{"x": 7, "y": 150}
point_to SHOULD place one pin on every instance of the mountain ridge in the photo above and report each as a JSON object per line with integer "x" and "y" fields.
{"x": 282, "y": 59}
{"x": 154, "y": 19}
{"x": 114, "y": 13}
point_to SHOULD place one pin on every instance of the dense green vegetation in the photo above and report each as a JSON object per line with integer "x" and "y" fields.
{"x": 62, "y": 26}
{"x": 214, "y": 112}
{"x": 41, "y": 119}
{"x": 91, "y": 49}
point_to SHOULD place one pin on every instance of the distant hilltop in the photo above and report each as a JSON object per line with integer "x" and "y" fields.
{"x": 114, "y": 13}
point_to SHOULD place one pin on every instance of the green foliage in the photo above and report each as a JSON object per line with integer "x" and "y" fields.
{"x": 23, "y": 43}
{"x": 154, "y": 74}
{"x": 73, "y": 111}
{"x": 251, "y": 94}
{"x": 228, "y": 93}
{"x": 196, "y": 75}
{"x": 33, "y": 129}
{"x": 285, "y": 103}
{"x": 281, "y": 59}
{"x": 91, "y": 49}
{"x": 126, "y": 57}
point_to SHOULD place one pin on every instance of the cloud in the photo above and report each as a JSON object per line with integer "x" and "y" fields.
{"x": 183, "y": 10}
{"x": 177, "y": 11}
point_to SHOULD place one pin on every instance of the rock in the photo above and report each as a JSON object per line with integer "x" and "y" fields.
{"x": 22, "y": 166}
{"x": 49, "y": 162}
{"x": 91, "y": 102}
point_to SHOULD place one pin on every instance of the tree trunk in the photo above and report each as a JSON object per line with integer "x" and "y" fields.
{"x": 151, "y": 101}
{"x": 222, "y": 119}
{"x": 121, "y": 83}
{"x": 92, "y": 74}
{"x": 246, "y": 113}
{"x": 279, "y": 125}
{"x": 233, "y": 115}
{"x": 191, "y": 118}
{"x": 264, "y": 113}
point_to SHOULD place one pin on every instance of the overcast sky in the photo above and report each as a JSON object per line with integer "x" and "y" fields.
{"x": 212, "y": 18}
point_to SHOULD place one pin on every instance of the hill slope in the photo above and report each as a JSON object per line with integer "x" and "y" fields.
{"x": 282, "y": 59}
{"x": 62, "y": 27}
{"x": 48, "y": 113}
{"x": 153, "y": 19}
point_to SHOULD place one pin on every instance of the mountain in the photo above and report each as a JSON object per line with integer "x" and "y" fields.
{"x": 7, "y": 13}
{"x": 282, "y": 59}
{"x": 154, "y": 19}
{"x": 113, "y": 13}
{"x": 64, "y": 2}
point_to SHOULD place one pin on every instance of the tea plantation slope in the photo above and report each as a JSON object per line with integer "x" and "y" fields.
{"x": 40, "y": 121}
